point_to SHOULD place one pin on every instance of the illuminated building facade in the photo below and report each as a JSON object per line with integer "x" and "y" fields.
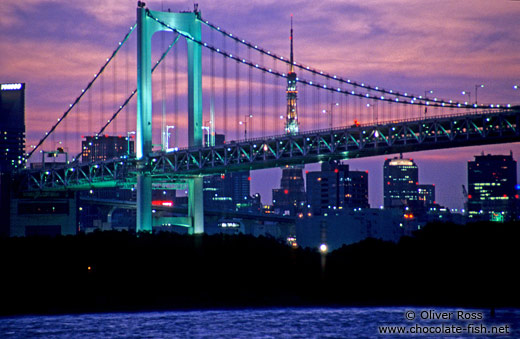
{"x": 492, "y": 188}
{"x": 290, "y": 198}
{"x": 336, "y": 187}
{"x": 291, "y": 122}
{"x": 104, "y": 147}
{"x": 12, "y": 127}
{"x": 230, "y": 191}
{"x": 401, "y": 180}
{"x": 426, "y": 194}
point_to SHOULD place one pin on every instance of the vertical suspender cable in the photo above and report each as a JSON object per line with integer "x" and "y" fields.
{"x": 114, "y": 103}
{"x": 263, "y": 99}
{"x": 250, "y": 96}
{"x": 237, "y": 94}
{"x": 164, "y": 133}
{"x": 102, "y": 102}
{"x": 176, "y": 95}
{"x": 224, "y": 87}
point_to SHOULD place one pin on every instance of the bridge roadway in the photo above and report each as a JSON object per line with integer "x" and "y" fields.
{"x": 400, "y": 136}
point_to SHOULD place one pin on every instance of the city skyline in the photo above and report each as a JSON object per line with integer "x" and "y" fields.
{"x": 55, "y": 48}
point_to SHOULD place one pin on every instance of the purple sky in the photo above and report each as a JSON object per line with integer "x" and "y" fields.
{"x": 55, "y": 47}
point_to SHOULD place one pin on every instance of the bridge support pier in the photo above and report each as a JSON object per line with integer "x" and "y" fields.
{"x": 144, "y": 203}
{"x": 196, "y": 204}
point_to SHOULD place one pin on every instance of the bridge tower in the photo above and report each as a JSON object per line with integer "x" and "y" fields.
{"x": 187, "y": 23}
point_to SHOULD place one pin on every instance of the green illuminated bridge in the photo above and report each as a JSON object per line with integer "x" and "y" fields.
{"x": 477, "y": 128}
{"x": 469, "y": 123}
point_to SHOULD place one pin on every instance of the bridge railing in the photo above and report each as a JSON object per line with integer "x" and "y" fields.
{"x": 371, "y": 124}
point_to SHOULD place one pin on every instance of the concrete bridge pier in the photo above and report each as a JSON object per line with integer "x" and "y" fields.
{"x": 196, "y": 204}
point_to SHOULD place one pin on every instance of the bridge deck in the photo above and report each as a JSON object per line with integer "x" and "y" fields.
{"x": 436, "y": 132}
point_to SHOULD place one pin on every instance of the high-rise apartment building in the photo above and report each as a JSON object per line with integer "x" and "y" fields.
{"x": 105, "y": 147}
{"x": 492, "y": 188}
{"x": 336, "y": 187}
{"x": 290, "y": 198}
{"x": 401, "y": 180}
{"x": 12, "y": 127}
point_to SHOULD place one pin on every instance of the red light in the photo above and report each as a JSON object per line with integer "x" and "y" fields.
{"x": 306, "y": 172}
{"x": 222, "y": 176}
{"x": 286, "y": 191}
{"x": 366, "y": 172}
{"x": 249, "y": 178}
{"x": 434, "y": 202}
{"x": 168, "y": 203}
{"x": 388, "y": 183}
{"x": 505, "y": 195}
{"x": 470, "y": 196}
{"x": 417, "y": 183}
{"x": 336, "y": 170}
{"x": 516, "y": 196}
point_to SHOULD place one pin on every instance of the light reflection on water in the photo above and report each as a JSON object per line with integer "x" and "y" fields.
{"x": 244, "y": 323}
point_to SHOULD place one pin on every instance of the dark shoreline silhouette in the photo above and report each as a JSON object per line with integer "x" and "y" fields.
{"x": 442, "y": 265}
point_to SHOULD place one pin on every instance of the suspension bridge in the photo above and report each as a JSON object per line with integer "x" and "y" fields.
{"x": 286, "y": 119}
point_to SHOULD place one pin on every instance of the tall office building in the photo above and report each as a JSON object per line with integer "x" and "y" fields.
{"x": 230, "y": 191}
{"x": 492, "y": 190}
{"x": 104, "y": 147}
{"x": 426, "y": 194}
{"x": 336, "y": 187}
{"x": 401, "y": 180}
{"x": 290, "y": 198}
{"x": 12, "y": 127}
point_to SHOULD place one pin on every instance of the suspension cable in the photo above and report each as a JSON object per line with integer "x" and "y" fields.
{"x": 133, "y": 92}
{"x": 71, "y": 106}
{"x": 420, "y": 101}
{"x": 426, "y": 100}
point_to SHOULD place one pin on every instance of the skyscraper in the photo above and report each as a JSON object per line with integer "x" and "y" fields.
{"x": 401, "y": 180}
{"x": 104, "y": 147}
{"x": 12, "y": 126}
{"x": 230, "y": 191}
{"x": 335, "y": 186}
{"x": 289, "y": 199}
{"x": 426, "y": 194}
{"x": 291, "y": 120}
{"x": 492, "y": 187}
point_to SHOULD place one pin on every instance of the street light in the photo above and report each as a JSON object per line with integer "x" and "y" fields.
{"x": 208, "y": 130}
{"x": 468, "y": 93}
{"x": 330, "y": 112}
{"x": 476, "y": 92}
{"x": 245, "y": 124}
{"x": 425, "y": 96}
{"x": 168, "y": 135}
{"x": 128, "y": 134}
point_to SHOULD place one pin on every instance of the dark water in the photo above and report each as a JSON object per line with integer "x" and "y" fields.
{"x": 248, "y": 323}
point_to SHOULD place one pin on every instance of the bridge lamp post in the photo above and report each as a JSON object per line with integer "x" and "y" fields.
{"x": 128, "y": 134}
{"x": 208, "y": 131}
{"x": 249, "y": 116}
{"x": 168, "y": 135}
{"x": 330, "y": 112}
{"x": 468, "y": 93}
{"x": 476, "y": 92}
{"x": 425, "y": 96}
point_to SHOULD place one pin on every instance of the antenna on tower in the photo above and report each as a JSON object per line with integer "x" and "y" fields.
{"x": 292, "y": 54}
